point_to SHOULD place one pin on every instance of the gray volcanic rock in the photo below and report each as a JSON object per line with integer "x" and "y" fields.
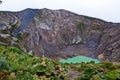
{"x": 60, "y": 34}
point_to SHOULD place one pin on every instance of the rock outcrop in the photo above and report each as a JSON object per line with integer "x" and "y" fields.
{"x": 60, "y": 34}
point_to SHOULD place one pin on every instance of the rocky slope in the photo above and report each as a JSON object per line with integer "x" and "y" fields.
{"x": 60, "y": 34}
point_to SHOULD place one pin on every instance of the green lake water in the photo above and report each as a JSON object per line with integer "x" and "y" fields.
{"x": 79, "y": 59}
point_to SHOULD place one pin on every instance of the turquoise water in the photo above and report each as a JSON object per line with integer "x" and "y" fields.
{"x": 79, "y": 59}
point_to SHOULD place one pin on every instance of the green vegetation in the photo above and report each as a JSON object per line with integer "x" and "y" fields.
{"x": 81, "y": 27}
{"x": 91, "y": 18}
{"x": 1, "y": 13}
{"x": 15, "y": 65}
{"x": 97, "y": 26}
{"x": 5, "y": 41}
{"x": 13, "y": 26}
{"x": 40, "y": 18}
{"x": 19, "y": 36}
{"x": 22, "y": 36}
{"x": 93, "y": 71}
{"x": 4, "y": 31}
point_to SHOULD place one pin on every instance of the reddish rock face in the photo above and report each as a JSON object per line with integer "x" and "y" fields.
{"x": 60, "y": 34}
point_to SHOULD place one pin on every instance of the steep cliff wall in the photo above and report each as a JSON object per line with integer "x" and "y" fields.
{"x": 60, "y": 34}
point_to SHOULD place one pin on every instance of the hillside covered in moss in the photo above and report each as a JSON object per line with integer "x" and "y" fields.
{"x": 15, "y": 65}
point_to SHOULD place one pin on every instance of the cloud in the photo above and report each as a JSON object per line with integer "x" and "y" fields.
{"x": 104, "y": 9}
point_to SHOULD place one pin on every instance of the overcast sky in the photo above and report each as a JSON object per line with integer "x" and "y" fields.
{"x": 108, "y": 10}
